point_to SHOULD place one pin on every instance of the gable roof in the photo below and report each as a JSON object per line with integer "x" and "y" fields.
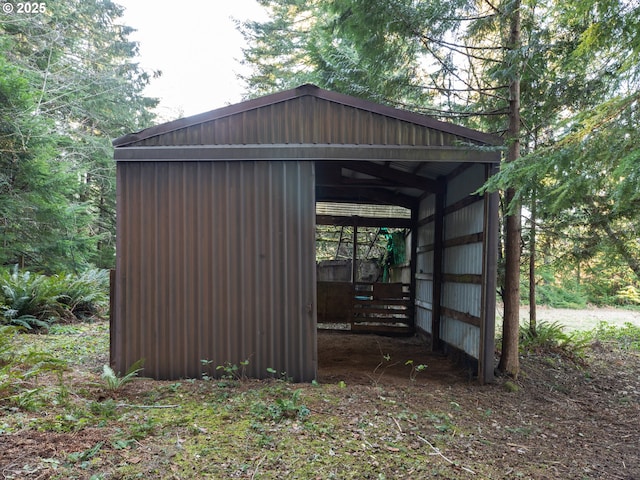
{"x": 314, "y": 92}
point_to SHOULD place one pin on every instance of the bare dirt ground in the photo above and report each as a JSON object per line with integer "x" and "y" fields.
{"x": 562, "y": 418}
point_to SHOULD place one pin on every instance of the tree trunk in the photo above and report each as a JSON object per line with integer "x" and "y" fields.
{"x": 509, "y": 359}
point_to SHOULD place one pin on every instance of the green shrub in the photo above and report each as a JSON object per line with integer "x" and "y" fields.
{"x": 561, "y": 296}
{"x": 7, "y": 336}
{"x": 626, "y": 337}
{"x": 85, "y": 295}
{"x": 114, "y": 381}
{"x": 628, "y": 295}
{"x": 27, "y": 300}
{"x": 35, "y": 301}
{"x": 551, "y": 337}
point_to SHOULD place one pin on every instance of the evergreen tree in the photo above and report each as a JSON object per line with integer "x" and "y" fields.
{"x": 474, "y": 62}
{"x": 80, "y": 88}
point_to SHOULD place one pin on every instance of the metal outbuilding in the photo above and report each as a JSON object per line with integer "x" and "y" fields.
{"x": 216, "y": 217}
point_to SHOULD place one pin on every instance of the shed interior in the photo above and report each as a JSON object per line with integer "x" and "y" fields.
{"x": 219, "y": 205}
{"x": 422, "y": 201}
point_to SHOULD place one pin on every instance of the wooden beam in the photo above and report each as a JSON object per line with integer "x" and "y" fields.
{"x": 462, "y": 278}
{"x": 461, "y": 316}
{"x": 489, "y": 274}
{"x": 354, "y": 260}
{"x": 413, "y": 264}
{"x": 464, "y": 240}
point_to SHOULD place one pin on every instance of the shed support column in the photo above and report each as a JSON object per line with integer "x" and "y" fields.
{"x": 489, "y": 273}
{"x": 438, "y": 253}
{"x": 413, "y": 264}
{"x": 354, "y": 258}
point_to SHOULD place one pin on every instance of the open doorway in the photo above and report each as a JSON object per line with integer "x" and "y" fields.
{"x": 364, "y": 268}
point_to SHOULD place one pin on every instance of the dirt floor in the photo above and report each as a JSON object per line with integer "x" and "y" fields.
{"x": 377, "y": 359}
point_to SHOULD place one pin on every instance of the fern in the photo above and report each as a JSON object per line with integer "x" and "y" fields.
{"x": 18, "y": 371}
{"x": 551, "y": 337}
{"x": 7, "y": 337}
{"x": 35, "y": 301}
{"x": 86, "y": 295}
{"x": 113, "y": 381}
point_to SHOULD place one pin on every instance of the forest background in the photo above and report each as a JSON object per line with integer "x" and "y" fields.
{"x": 66, "y": 92}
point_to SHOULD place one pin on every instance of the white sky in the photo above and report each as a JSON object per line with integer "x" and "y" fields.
{"x": 197, "y": 47}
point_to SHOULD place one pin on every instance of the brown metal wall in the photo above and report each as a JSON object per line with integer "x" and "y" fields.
{"x": 302, "y": 120}
{"x": 215, "y": 261}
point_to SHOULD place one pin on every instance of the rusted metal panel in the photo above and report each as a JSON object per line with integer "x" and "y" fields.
{"x": 213, "y": 265}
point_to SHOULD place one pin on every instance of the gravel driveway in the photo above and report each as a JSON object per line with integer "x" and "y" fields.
{"x": 583, "y": 319}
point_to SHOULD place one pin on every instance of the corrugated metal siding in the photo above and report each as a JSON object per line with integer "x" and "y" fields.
{"x": 425, "y": 261}
{"x": 461, "y": 335}
{"x": 306, "y": 119}
{"x": 362, "y": 210}
{"x": 424, "y": 304}
{"x": 462, "y": 297}
{"x": 427, "y": 207}
{"x": 470, "y": 180}
{"x": 213, "y": 263}
{"x": 465, "y": 259}
{"x": 424, "y": 265}
{"x": 462, "y": 263}
{"x": 469, "y": 219}
{"x": 424, "y": 319}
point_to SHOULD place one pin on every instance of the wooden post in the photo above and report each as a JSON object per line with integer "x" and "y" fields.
{"x": 112, "y": 314}
{"x": 438, "y": 254}
{"x": 354, "y": 258}
{"x": 413, "y": 265}
{"x": 489, "y": 274}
